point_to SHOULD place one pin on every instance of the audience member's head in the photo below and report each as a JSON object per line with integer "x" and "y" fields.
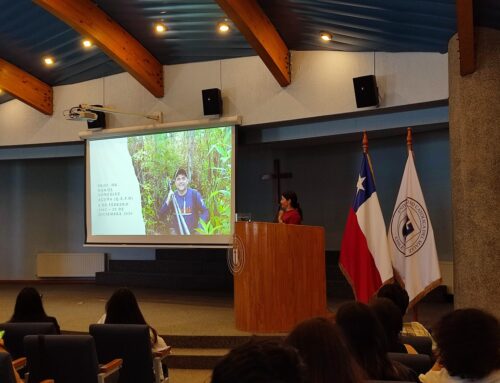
{"x": 367, "y": 341}
{"x": 28, "y": 307}
{"x": 322, "y": 347}
{"x": 468, "y": 343}
{"x": 391, "y": 320}
{"x": 260, "y": 361}
{"x": 122, "y": 308}
{"x": 397, "y": 294}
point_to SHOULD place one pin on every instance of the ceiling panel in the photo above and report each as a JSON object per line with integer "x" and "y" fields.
{"x": 28, "y": 32}
{"x": 191, "y": 34}
{"x": 365, "y": 25}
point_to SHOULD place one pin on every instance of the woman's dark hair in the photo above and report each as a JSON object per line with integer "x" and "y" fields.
{"x": 29, "y": 307}
{"x": 367, "y": 342}
{"x": 325, "y": 352}
{"x": 122, "y": 308}
{"x": 260, "y": 361}
{"x": 292, "y": 197}
{"x": 468, "y": 342}
{"x": 391, "y": 320}
{"x": 397, "y": 294}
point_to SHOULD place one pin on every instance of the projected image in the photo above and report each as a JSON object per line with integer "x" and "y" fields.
{"x": 163, "y": 185}
{"x": 185, "y": 181}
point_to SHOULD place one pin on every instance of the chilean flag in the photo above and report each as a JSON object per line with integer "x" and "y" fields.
{"x": 364, "y": 254}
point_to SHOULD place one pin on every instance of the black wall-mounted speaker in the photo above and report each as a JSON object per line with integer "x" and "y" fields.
{"x": 100, "y": 123}
{"x": 366, "y": 91}
{"x": 212, "y": 102}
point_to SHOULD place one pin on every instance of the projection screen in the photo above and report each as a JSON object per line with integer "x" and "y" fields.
{"x": 167, "y": 188}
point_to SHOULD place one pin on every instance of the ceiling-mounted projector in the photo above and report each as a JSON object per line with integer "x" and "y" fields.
{"x": 80, "y": 114}
{"x": 90, "y": 113}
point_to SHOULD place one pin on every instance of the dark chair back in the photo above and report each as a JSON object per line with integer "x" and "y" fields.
{"x": 64, "y": 358}
{"x": 130, "y": 342}
{"x": 423, "y": 344}
{"x": 6, "y": 371}
{"x": 419, "y": 363}
{"x": 15, "y": 333}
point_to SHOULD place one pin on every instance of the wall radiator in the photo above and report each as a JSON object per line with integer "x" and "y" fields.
{"x": 69, "y": 264}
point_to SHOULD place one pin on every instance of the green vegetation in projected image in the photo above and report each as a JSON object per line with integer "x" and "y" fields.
{"x": 205, "y": 155}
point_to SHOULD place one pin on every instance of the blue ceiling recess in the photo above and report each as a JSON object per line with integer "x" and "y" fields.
{"x": 191, "y": 35}
{"x": 365, "y": 25}
{"x": 28, "y": 32}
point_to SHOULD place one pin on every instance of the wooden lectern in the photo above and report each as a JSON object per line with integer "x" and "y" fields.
{"x": 282, "y": 280}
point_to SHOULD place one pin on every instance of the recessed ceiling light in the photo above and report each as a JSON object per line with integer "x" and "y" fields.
{"x": 87, "y": 43}
{"x": 160, "y": 27}
{"x": 48, "y": 60}
{"x": 325, "y": 36}
{"x": 223, "y": 27}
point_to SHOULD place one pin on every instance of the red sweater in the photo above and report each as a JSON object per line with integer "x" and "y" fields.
{"x": 291, "y": 217}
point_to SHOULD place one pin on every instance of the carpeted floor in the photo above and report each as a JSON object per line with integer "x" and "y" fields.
{"x": 77, "y": 306}
{"x": 177, "y": 313}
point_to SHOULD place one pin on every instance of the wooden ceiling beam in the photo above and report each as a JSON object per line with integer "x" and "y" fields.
{"x": 465, "y": 28}
{"x": 261, "y": 34}
{"x": 90, "y": 21}
{"x": 26, "y": 87}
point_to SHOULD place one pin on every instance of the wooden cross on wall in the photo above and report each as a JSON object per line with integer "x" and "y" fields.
{"x": 276, "y": 176}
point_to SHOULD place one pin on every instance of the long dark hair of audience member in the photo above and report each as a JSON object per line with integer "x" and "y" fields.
{"x": 122, "y": 308}
{"x": 468, "y": 345}
{"x": 390, "y": 318}
{"x": 260, "y": 361}
{"x": 294, "y": 201}
{"x": 322, "y": 347}
{"x": 29, "y": 308}
{"x": 366, "y": 339}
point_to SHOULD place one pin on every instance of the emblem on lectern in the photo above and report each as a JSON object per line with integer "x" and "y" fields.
{"x": 236, "y": 257}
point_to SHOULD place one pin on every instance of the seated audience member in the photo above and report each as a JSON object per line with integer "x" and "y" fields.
{"x": 399, "y": 296}
{"x": 390, "y": 318}
{"x": 260, "y": 361}
{"x": 323, "y": 349}
{"x": 14, "y": 372}
{"x": 367, "y": 342}
{"x": 29, "y": 308}
{"x": 468, "y": 348}
{"x": 122, "y": 308}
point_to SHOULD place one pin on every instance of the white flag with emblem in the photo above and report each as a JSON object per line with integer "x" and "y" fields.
{"x": 411, "y": 238}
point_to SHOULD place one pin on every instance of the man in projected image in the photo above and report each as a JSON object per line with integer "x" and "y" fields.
{"x": 186, "y": 205}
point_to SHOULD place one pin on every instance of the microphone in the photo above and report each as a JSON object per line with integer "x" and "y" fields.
{"x": 280, "y": 210}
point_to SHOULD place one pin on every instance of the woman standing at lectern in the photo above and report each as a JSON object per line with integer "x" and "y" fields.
{"x": 290, "y": 211}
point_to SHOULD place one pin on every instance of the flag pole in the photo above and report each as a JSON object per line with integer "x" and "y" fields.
{"x": 409, "y": 145}
{"x": 409, "y": 140}
{"x": 365, "y": 152}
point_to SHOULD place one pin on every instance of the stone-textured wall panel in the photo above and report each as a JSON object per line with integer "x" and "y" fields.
{"x": 475, "y": 173}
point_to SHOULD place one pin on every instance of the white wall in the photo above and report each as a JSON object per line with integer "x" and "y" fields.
{"x": 42, "y": 210}
{"x": 321, "y": 85}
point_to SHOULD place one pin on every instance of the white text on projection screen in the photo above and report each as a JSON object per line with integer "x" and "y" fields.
{"x": 162, "y": 188}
